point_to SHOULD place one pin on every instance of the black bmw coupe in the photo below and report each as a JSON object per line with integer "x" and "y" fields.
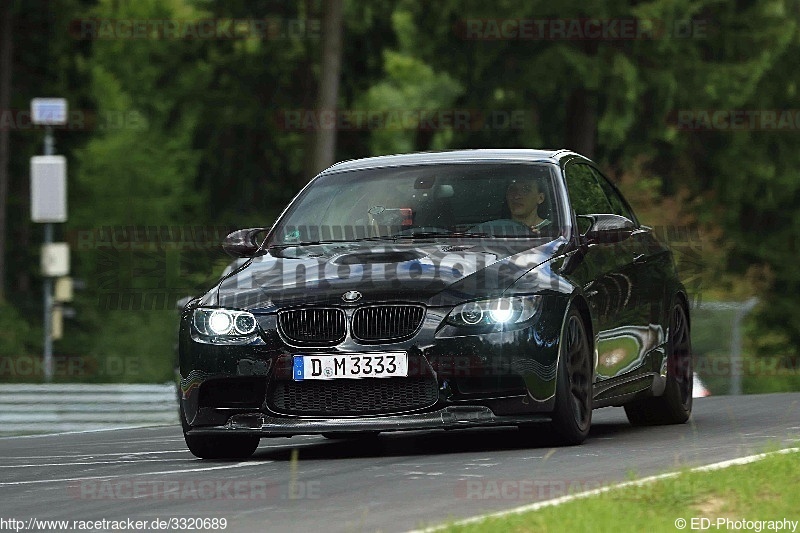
{"x": 438, "y": 291}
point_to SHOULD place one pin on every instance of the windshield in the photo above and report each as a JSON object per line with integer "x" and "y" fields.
{"x": 503, "y": 200}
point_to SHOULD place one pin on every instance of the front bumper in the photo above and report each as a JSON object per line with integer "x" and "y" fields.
{"x": 453, "y": 417}
{"x": 492, "y": 379}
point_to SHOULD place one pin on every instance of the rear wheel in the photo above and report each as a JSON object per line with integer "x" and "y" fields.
{"x": 675, "y": 405}
{"x": 572, "y": 416}
{"x": 218, "y": 446}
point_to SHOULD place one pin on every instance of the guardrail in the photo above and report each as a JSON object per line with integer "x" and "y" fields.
{"x": 34, "y": 408}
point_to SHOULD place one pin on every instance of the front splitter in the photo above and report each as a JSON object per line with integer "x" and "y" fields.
{"x": 453, "y": 417}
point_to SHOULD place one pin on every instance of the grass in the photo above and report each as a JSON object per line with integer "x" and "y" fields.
{"x": 762, "y": 490}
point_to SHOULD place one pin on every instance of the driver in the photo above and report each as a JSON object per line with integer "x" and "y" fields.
{"x": 525, "y": 198}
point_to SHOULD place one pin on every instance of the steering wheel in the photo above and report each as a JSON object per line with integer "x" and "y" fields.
{"x": 502, "y": 227}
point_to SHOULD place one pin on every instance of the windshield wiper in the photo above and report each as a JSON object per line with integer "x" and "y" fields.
{"x": 414, "y": 235}
{"x": 314, "y": 243}
{"x": 297, "y": 244}
{"x": 431, "y": 234}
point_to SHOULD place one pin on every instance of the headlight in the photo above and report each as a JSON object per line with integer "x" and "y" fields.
{"x": 224, "y": 322}
{"x": 500, "y": 311}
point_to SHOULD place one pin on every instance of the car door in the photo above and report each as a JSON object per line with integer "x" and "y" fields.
{"x": 648, "y": 272}
{"x": 606, "y": 272}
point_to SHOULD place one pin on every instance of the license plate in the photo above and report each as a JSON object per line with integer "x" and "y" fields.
{"x": 352, "y": 366}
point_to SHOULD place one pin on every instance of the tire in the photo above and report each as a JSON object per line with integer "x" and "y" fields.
{"x": 572, "y": 416}
{"x": 218, "y": 446}
{"x": 674, "y": 406}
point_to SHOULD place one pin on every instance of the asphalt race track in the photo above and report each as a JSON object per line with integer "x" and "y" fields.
{"x": 394, "y": 483}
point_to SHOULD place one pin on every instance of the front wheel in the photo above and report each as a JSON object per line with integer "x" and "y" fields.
{"x": 675, "y": 405}
{"x": 572, "y": 416}
{"x": 218, "y": 446}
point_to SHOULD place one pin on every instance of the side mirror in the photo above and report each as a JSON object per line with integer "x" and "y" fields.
{"x": 607, "y": 228}
{"x": 180, "y": 304}
{"x": 244, "y": 242}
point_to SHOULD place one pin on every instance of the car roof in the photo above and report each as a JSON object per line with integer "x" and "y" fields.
{"x": 453, "y": 156}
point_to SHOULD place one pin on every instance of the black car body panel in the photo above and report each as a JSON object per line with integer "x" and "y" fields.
{"x": 457, "y": 377}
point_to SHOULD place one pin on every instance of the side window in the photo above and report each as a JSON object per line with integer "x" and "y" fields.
{"x": 585, "y": 194}
{"x": 618, "y": 205}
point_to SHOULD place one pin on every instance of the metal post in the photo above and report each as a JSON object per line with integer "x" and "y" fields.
{"x": 48, "y": 283}
{"x": 48, "y": 314}
{"x": 48, "y": 112}
{"x": 49, "y": 142}
{"x": 736, "y": 346}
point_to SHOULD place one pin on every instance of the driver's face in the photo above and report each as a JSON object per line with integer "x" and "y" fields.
{"x": 523, "y": 198}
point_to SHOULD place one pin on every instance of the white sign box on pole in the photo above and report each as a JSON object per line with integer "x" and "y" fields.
{"x": 49, "y": 188}
{"x": 55, "y": 259}
{"x": 49, "y": 111}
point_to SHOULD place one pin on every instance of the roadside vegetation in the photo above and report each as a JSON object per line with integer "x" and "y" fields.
{"x": 762, "y": 490}
{"x": 176, "y": 134}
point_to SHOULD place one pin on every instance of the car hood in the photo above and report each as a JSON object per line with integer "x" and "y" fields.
{"x": 431, "y": 273}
